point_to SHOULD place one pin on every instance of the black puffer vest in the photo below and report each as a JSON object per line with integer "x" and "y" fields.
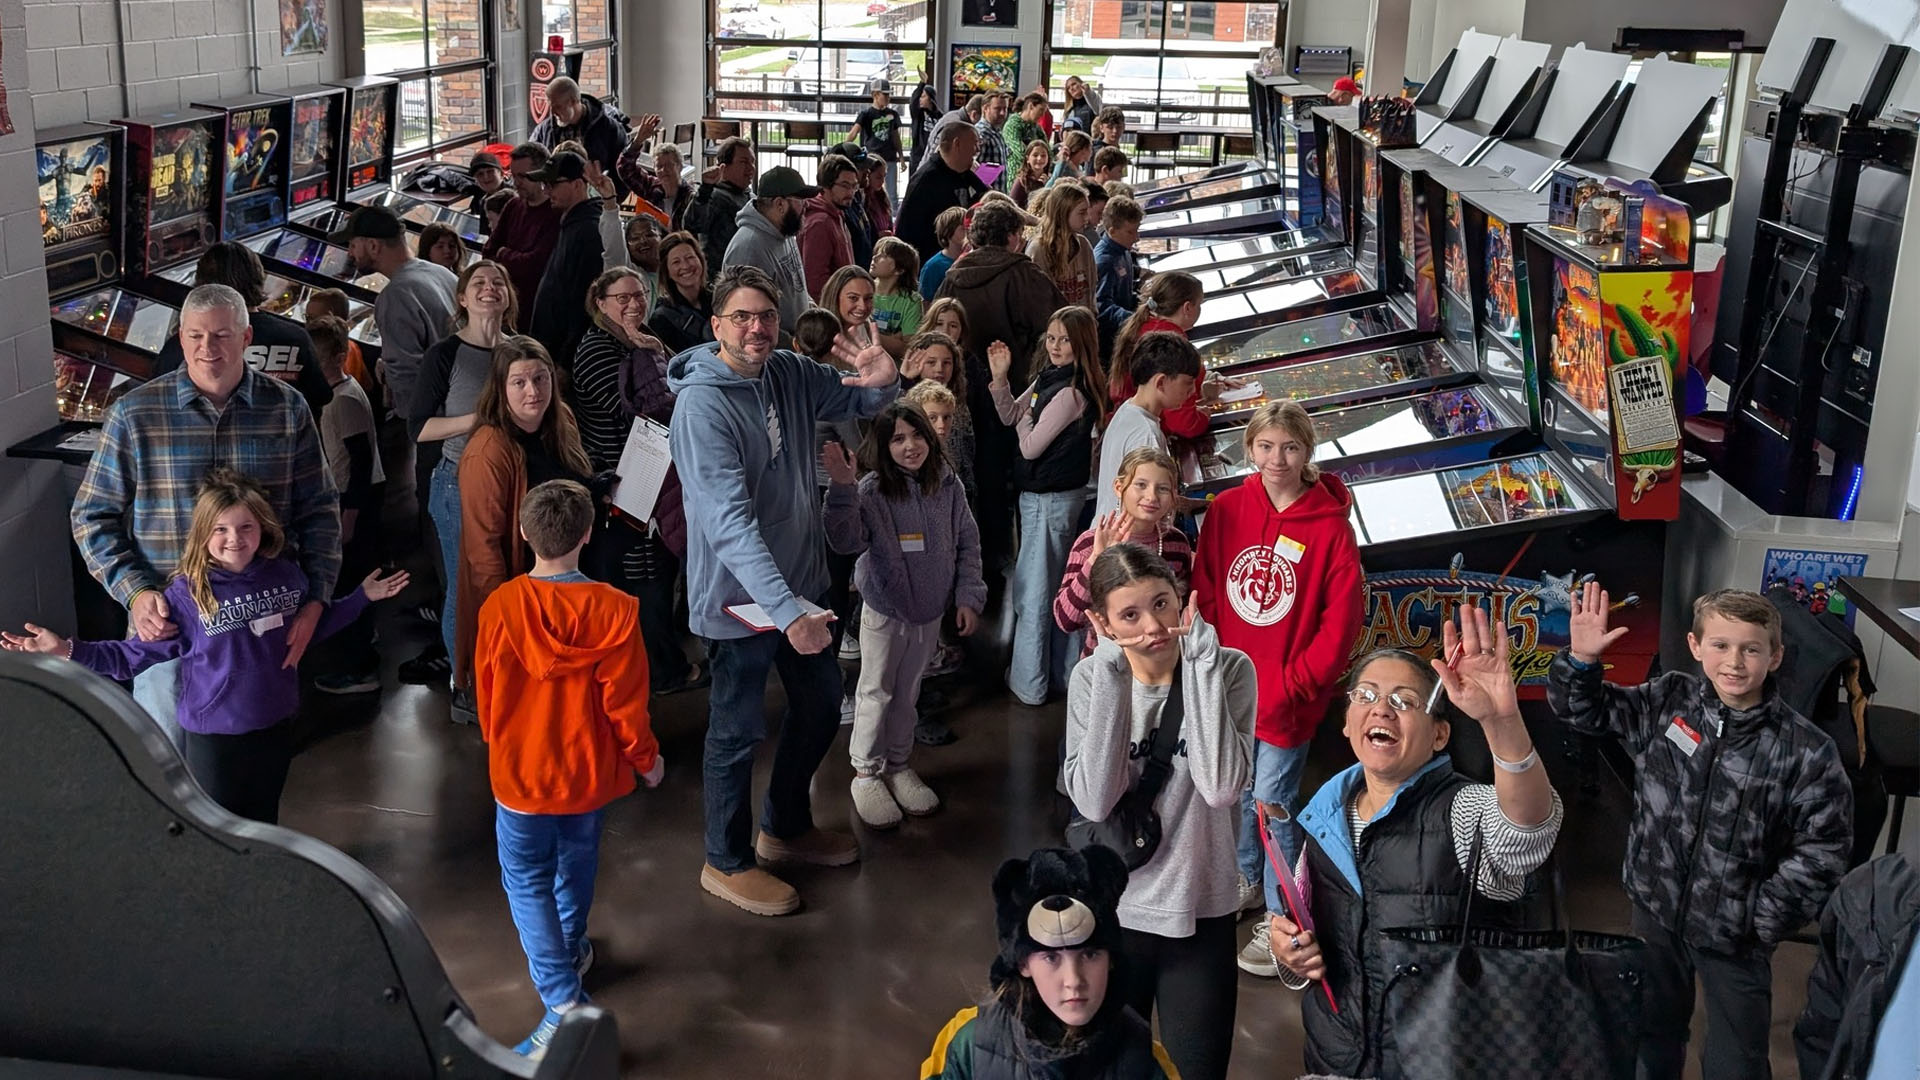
{"x": 1003, "y": 1050}
{"x": 1410, "y": 877}
{"x": 1067, "y": 462}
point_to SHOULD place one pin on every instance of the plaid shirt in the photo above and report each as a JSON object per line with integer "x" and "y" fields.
{"x": 135, "y": 504}
{"x": 993, "y": 151}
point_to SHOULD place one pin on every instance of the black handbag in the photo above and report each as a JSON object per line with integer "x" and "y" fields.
{"x": 1480, "y": 1003}
{"x": 1133, "y": 826}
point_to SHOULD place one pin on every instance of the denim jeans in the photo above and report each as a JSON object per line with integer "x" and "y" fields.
{"x": 1047, "y": 531}
{"x": 157, "y": 690}
{"x": 736, "y": 724}
{"x": 443, "y": 505}
{"x": 1276, "y": 782}
{"x": 548, "y": 863}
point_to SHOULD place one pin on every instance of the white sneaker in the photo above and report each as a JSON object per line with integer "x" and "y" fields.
{"x": 846, "y": 709}
{"x": 1253, "y": 896}
{"x": 874, "y": 804}
{"x": 850, "y": 646}
{"x": 912, "y": 793}
{"x": 1257, "y": 958}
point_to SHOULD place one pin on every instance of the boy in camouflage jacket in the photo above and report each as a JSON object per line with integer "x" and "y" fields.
{"x": 1741, "y": 827}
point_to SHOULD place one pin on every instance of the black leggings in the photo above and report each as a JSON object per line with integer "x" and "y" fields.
{"x": 243, "y": 773}
{"x": 1195, "y": 984}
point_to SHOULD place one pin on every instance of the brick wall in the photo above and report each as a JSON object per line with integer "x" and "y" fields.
{"x": 176, "y": 52}
{"x": 34, "y": 496}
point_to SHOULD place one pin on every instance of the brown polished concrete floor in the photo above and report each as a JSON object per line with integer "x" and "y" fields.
{"x": 856, "y": 984}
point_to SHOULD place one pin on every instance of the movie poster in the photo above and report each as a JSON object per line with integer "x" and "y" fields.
{"x": 181, "y": 158}
{"x": 367, "y": 127}
{"x": 303, "y": 27}
{"x": 1575, "y": 359}
{"x": 979, "y": 69}
{"x": 75, "y": 194}
{"x": 1503, "y": 290}
{"x": 252, "y": 140}
{"x": 312, "y": 146}
{"x": 1809, "y": 577}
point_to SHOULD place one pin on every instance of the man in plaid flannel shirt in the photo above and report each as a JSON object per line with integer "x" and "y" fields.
{"x": 135, "y": 503}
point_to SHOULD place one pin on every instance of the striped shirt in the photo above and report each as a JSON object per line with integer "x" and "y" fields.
{"x": 1509, "y": 852}
{"x": 135, "y": 504}
{"x": 1071, "y": 601}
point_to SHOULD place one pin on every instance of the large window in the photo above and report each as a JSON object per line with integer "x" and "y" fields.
{"x": 441, "y": 52}
{"x": 809, "y": 58}
{"x": 1167, "y": 63}
{"x": 587, "y": 25}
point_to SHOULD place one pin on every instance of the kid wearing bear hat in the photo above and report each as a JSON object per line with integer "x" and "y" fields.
{"x": 1048, "y": 1014}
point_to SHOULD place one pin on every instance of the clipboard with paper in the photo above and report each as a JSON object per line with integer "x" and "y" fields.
{"x": 1290, "y": 894}
{"x": 644, "y": 462}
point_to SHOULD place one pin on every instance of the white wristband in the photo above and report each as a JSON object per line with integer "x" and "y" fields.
{"x": 1525, "y": 763}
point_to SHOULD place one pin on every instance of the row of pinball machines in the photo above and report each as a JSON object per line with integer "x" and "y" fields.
{"x": 128, "y": 208}
{"x": 1489, "y": 354}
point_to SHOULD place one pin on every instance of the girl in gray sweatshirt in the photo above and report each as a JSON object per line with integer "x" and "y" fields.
{"x": 1177, "y": 914}
{"x": 919, "y": 554}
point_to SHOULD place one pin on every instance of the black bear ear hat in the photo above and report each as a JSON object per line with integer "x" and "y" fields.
{"x": 1056, "y": 898}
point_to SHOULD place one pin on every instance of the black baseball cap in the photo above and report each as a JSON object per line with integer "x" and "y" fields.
{"x": 565, "y": 165}
{"x": 372, "y": 222}
{"x": 484, "y": 160}
{"x": 781, "y": 182}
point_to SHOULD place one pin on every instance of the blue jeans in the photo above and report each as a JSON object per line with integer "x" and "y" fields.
{"x": 548, "y": 863}
{"x": 736, "y": 724}
{"x": 1276, "y": 782}
{"x": 443, "y": 505}
{"x": 157, "y": 690}
{"x": 1048, "y": 525}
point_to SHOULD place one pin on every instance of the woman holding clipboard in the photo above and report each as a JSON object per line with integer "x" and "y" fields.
{"x": 1389, "y": 838}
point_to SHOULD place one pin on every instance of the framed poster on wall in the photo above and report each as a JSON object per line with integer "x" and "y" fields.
{"x": 979, "y": 69}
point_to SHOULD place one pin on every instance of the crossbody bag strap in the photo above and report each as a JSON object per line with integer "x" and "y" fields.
{"x": 1160, "y": 762}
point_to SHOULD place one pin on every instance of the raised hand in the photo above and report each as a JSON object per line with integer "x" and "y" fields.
{"x": 872, "y": 364}
{"x": 841, "y": 468}
{"x": 37, "y": 639}
{"x": 999, "y": 360}
{"x": 380, "y": 588}
{"x": 1588, "y": 635}
{"x": 649, "y": 124}
{"x": 1480, "y": 681}
{"x": 910, "y": 366}
{"x": 966, "y": 620}
{"x": 1111, "y": 529}
{"x": 599, "y": 181}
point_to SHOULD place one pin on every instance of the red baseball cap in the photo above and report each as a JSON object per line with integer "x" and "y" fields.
{"x": 1346, "y": 85}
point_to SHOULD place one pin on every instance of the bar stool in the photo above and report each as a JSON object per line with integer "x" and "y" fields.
{"x": 806, "y": 139}
{"x": 1893, "y": 741}
{"x": 683, "y": 137}
{"x": 1153, "y": 150}
{"x": 715, "y": 132}
{"x": 1236, "y": 146}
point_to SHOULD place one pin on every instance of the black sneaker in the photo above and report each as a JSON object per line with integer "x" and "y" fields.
{"x": 431, "y": 668}
{"x": 342, "y": 682}
{"x": 429, "y": 613}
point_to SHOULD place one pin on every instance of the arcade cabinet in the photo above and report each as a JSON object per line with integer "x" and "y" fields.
{"x": 177, "y": 165}
{"x": 372, "y": 127}
{"x": 254, "y": 197}
{"x": 1569, "y": 100}
{"x": 1651, "y": 130}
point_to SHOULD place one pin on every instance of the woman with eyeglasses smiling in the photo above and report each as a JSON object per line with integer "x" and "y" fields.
{"x": 620, "y": 372}
{"x": 1389, "y": 838}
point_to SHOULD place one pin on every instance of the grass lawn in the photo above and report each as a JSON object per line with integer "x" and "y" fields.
{"x": 392, "y": 20}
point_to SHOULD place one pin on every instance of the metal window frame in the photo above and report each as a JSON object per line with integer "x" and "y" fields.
{"x": 611, "y": 43}
{"x": 715, "y": 43}
{"x": 1048, "y": 50}
{"x": 485, "y": 63}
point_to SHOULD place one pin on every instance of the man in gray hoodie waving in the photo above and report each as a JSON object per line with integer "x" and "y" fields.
{"x": 756, "y": 575}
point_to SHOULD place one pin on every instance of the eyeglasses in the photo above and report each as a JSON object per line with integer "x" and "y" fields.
{"x": 846, "y": 185}
{"x": 624, "y": 298}
{"x": 743, "y": 319}
{"x": 1399, "y": 702}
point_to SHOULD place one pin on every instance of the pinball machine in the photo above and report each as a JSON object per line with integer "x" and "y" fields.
{"x": 372, "y": 125}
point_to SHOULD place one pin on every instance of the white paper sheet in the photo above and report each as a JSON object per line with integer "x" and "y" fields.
{"x": 643, "y": 468}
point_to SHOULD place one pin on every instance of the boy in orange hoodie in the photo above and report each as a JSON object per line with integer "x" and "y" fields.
{"x": 1277, "y": 573}
{"x": 561, "y": 678}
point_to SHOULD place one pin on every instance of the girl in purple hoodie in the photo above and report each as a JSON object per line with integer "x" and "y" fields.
{"x": 238, "y": 686}
{"x": 919, "y": 553}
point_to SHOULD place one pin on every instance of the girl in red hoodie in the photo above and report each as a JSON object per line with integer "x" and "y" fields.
{"x": 1168, "y": 301}
{"x": 1277, "y": 571}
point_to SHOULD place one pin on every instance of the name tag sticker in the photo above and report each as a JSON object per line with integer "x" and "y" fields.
{"x": 1288, "y": 548}
{"x": 1684, "y": 737}
{"x": 912, "y": 542}
{"x": 261, "y": 625}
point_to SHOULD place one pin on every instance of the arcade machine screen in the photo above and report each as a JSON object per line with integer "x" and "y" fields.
{"x": 1341, "y": 378}
{"x": 83, "y": 390}
{"x": 1396, "y": 426}
{"x": 255, "y": 160}
{"x": 76, "y": 204}
{"x": 1474, "y": 496}
{"x": 367, "y": 135}
{"x": 1457, "y": 303}
{"x": 1503, "y": 288}
{"x": 1576, "y": 360}
{"x": 119, "y": 316}
{"x": 1299, "y": 338}
{"x": 1416, "y": 255}
{"x": 312, "y": 150}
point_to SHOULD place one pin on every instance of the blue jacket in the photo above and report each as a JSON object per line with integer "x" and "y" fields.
{"x": 745, "y": 452}
{"x": 1117, "y": 295}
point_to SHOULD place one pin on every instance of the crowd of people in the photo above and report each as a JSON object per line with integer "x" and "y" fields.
{"x": 885, "y": 421}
